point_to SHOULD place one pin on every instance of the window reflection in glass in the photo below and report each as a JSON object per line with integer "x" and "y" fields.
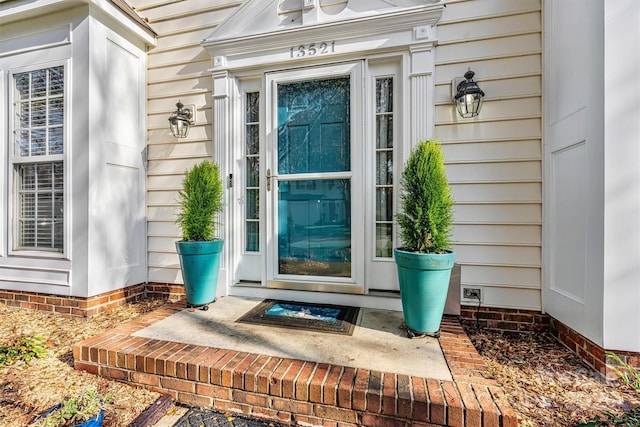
{"x": 313, "y": 124}
{"x": 384, "y": 167}
{"x": 252, "y": 172}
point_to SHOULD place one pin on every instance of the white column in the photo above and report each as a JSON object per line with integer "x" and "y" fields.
{"x": 221, "y": 138}
{"x": 421, "y": 89}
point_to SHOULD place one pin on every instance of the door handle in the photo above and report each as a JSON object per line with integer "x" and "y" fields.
{"x": 269, "y": 176}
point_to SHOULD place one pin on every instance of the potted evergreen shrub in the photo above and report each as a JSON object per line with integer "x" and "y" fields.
{"x": 425, "y": 259}
{"x": 199, "y": 250}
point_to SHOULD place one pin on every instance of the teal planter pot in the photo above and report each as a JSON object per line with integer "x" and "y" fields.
{"x": 200, "y": 262}
{"x": 424, "y": 284}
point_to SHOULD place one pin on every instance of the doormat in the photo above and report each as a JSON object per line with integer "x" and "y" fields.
{"x": 334, "y": 319}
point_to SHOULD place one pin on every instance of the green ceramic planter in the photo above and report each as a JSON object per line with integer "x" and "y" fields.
{"x": 200, "y": 262}
{"x": 424, "y": 284}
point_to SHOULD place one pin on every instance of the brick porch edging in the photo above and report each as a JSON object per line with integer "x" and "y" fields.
{"x": 295, "y": 392}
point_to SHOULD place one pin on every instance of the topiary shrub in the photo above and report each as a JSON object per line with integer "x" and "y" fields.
{"x": 426, "y": 211}
{"x": 200, "y": 201}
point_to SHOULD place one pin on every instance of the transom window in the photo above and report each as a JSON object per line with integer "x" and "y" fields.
{"x": 37, "y": 157}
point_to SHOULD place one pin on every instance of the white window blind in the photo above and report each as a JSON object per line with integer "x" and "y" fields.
{"x": 37, "y": 159}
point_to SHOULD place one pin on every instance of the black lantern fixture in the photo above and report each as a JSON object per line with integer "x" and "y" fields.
{"x": 468, "y": 96}
{"x": 180, "y": 120}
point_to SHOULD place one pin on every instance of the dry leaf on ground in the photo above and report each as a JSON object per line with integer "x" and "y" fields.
{"x": 546, "y": 383}
{"x": 27, "y": 390}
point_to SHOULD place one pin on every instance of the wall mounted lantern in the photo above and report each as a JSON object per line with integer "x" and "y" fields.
{"x": 468, "y": 95}
{"x": 181, "y": 119}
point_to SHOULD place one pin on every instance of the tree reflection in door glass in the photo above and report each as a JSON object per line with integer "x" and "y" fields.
{"x": 315, "y": 227}
{"x": 313, "y": 126}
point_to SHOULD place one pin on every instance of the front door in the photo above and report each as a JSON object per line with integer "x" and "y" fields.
{"x": 314, "y": 200}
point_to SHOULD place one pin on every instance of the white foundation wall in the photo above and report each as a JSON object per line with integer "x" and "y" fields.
{"x": 493, "y": 161}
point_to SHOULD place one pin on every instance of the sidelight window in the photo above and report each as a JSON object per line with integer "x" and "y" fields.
{"x": 252, "y": 171}
{"x": 384, "y": 167}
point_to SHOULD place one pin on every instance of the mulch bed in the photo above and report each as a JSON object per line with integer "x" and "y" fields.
{"x": 547, "y": 384}
{"x": 27, "y": 390}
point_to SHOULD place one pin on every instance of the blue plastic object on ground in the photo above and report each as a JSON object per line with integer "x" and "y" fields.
{"x": 93, "y": 422}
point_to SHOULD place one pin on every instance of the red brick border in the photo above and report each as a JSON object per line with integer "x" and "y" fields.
{"x": 591, "y": 353}
{"x": 170, "y": 291}
{"x": 72, "y": 305}
{"x": 504, "y": 319}
{"x": 296, "y": 392}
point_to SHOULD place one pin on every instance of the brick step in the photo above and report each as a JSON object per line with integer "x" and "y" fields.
{"x": 296, "y": 392}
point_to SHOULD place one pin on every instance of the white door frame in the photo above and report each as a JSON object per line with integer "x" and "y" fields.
{"x": 354, "y": 284}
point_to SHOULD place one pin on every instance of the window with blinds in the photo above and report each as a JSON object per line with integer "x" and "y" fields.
{"x": 37, "y": 156}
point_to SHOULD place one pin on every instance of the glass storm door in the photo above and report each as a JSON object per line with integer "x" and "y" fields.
{"x": 311, "y": 184}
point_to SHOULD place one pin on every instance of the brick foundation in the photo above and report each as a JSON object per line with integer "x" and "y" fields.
{"x": 71, "y": 305}
{"x": 168, "y": 291}
{"x": 505, "y": 320}
{"x": 494, "y": 319}
{"x": 591, "y": 353}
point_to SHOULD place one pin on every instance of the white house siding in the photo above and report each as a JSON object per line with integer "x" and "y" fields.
{"x": 177, "y": 70}
{"x": 494, "y": 161}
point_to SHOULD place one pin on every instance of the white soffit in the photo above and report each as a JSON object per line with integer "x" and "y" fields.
{"x": 262, "y": 25}
{"x": 117, "y": 10}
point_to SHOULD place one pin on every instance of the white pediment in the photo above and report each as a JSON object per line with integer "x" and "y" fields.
{"x": 264, "y": 17}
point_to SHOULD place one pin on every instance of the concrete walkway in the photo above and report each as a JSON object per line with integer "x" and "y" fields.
{"x": 378, "y": 342}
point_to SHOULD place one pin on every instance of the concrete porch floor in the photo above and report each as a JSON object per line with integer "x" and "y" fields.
{"x": 376, "y": 377}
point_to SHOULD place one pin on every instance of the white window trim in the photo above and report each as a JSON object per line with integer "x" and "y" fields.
{"x": 249, "y": 263}
{"x": 382, "y": 269}
{"x": 12, "y": 160}
{"x": 4, "y": 135}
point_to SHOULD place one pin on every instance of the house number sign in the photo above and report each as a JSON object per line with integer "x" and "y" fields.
{"x": 312, "y": 49}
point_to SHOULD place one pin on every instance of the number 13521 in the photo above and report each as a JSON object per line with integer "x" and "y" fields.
{"x": 312, "y": 49}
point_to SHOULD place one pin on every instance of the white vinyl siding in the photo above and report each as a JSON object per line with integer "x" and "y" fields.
{"x": 37, "y": 158}
{"x": 177, "y": 69}
{"x": 494, "y": 161}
